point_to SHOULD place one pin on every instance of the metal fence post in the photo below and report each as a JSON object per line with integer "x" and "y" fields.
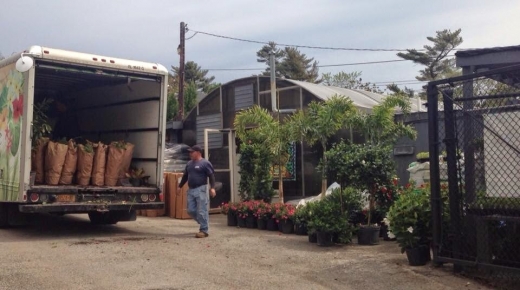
{"x": 433, "y": 128}
{"x": 453, "y": 176}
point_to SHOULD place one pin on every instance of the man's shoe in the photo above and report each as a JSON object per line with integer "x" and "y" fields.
{"x": 201, "y": 235}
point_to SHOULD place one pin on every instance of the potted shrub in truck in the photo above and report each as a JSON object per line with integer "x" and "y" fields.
{"x": 423, "y": 157}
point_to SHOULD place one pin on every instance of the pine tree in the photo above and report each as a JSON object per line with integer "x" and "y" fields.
{"x": 435, "y": 58}
{"x": 194, "y": 73}
{"x": 263, "y": 56}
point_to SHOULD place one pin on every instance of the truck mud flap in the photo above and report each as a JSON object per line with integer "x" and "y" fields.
{"x": 84, "y": 208}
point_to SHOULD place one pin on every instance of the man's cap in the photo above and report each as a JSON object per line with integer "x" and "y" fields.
{"x": 195, "y": 148}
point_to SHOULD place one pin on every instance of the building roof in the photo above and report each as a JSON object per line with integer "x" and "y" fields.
{"x": 362, "y": 99}
{"x": 481, "y": 51}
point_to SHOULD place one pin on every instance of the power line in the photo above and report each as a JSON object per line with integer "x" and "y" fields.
{"x": 303, "y": 46}
{"x": 326, "y": 65}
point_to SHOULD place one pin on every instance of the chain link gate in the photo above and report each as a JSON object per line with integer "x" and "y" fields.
{"x": 474, "y": 131}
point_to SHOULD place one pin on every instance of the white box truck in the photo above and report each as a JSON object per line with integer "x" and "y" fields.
{"x": 100, "y": 99}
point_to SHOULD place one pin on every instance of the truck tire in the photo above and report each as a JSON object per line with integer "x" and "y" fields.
{"x": 100, "y": 218}
{"x": 4, "y": 216}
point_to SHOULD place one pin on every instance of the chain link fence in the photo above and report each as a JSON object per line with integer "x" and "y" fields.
{"x": 474, "y": 125}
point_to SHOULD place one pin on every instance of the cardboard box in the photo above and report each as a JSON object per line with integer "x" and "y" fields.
{"x": 175, "y": 199}
{"x": 181, "y": 203}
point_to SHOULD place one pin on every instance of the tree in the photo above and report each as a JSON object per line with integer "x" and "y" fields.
{"x": 350, "y": 80}
{"x": 1, "y": 56}
{"x": 290, "y": 63}
{"x": 257, "y": 126}
{"x": 194, "y": 73}
{"x": 263, "y": 56}
{"x": 397, "y": 90}
{"x": 435, "y": 58}
{"x": 319, "y": 122}
{"x": 379, "y": 127}
{"x": 190, "y": 97}
{"x": 212, "y": 87}
{"x": 297, "y": 66}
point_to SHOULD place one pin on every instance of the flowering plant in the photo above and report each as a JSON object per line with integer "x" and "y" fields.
{"x": 409, "y": 218}
{"x": 263, "y": 210}
{"x": 247, "y": 208}
{"x": 283, "y": 211}
{"x": 225, "y": 208}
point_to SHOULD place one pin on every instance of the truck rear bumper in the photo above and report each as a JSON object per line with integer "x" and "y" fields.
{"x": 84, "y": 207}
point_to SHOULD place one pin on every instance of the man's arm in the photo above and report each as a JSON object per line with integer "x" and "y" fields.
{"x": 184, "y": 177}
{"x": 210, "y": 172}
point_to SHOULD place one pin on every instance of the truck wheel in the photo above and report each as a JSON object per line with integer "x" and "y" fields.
{"x": 99, "y": 218}
{"x": 4, "y": 215}
{"x": 96, "y": 218}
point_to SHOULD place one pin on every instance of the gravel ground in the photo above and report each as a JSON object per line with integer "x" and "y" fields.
{"x": 161, "y": 253}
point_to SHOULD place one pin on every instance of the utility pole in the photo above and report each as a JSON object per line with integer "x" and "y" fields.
{"x": 275, "y": 108}
{"x": 180, "y": 51}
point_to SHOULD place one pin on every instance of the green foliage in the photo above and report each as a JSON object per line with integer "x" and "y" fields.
{"x": 263, "y": 56}
{"x": 437, "y": 64}
{"x": 256, "y": 126}
{"x": 396, "y": 90}
{"x": 350, "y": 80}
{"x": 320, "y": 121}
{"x": 212, "y": 87}
{"x": 256, "y": 181}
{"x": 410, "y": 218}
{"x": 423, "y": 155}
{"x": 290, "y": 63}
{"x": 326, "y": 216}
{"x": 190, "y": 101}
{"x": 194, "y": 73}
{"x": 172, "y": 107}
{"x": 41, "y": 126}
{"x": 379, "y": 127}
{"x": 190, "y": 97}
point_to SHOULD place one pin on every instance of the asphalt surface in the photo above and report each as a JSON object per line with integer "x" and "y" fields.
{"x": 162, "y": 253}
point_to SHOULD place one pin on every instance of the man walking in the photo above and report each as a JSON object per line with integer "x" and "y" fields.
{"x": 197, "y": 172}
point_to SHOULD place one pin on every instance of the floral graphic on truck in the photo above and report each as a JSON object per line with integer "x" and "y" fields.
{"x": 11, "y": 112}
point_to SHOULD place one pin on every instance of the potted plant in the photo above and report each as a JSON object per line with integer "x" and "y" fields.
{"x": 327, "y": 220}
{"x": 136, "y": 177}
{"x": 230, "y": 210}
{"x": 369, "y": 167}
{"x": 300, "y": 220}
{"x": 263, "y": 214}
{"x": 410, "y": 221}
{"x": 271, "y": 224}
{"x": 423, "y": 157}
{"x": 242, "y": 214}
{"x": 284, "y": 216}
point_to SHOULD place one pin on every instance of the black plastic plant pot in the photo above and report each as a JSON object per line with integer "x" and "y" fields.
{"x": 418, "y": 256}
{"x": 251, "y": 222}
{"x": 241, "y": 222}
{"x": 261, "y": 224}
{"x": 324, "y": 239}
{"x": 300, "y": 229}
{"x": 313, "y": 238}
{"x": 422, "y": 160}
{"x": 368, "y": 235}
{"x": 231, "y": 219}
{"x": 272, "y": 225}
{"x": 287, "y": 226}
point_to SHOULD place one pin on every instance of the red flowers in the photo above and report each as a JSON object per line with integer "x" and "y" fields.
{"x": 17, "y": 108}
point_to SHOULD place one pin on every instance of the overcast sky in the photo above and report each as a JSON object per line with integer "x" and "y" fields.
{"x": 149, "y": 30}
